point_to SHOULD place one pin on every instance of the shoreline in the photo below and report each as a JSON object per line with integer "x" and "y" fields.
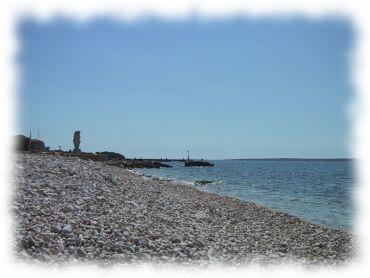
{"x": 193, "y": 186}
{"x": 100, "y": 213}
{"x": 201, "y": 187}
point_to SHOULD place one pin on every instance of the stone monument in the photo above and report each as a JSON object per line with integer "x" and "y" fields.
{"x": 76, "y": 141}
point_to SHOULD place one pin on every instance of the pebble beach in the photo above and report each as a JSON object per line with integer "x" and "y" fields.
{"x": 70, "y": 210}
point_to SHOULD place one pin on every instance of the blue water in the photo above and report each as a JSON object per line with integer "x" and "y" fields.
{"x": 315, "y": 190}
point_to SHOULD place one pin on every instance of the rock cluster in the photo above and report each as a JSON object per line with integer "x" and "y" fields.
{"x": 197, "y": 163}
{"x": 139, "y": 163}
{"x": 203, "y": 182}
{"x": 68, "y": 209}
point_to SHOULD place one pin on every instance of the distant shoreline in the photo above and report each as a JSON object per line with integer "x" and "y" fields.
{"x": 272, "y": 159}
{"x": 295, "y": 159}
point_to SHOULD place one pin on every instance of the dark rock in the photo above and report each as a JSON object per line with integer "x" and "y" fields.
{"x": 28, "y": 242}
{"x": 154, "y": 237}
{"x": 203, "y": 182}
{"x": 29, "y": 252}
{"x": 71, "y": 250}
{"x": 130, "y": 249}
{"x": 282, "y": 247}
{"x": 113, "y": 155}
{"x": 80, "y": 241}
{"x": 116, "y": 248}
{"x": 130, "y": 164}
{"x": 197, "y": 163}
{"x": 81, "y": 253}
{"x": 67, "y": 208}
{"x": 321, "y": 244}
{"x": 196, "y": 244}
{"x": 136, "y": 241}
{"x": 175, "y": 240}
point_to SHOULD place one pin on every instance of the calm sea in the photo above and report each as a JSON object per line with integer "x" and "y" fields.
{"x": 316, "y": 190}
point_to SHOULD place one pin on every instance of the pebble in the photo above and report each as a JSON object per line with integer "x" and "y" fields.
{"x": 81, "y": 253}
{"x": 175, "y": 240}
{"x": 67, "y": 229}
{"x": 201, "y": 215}
{"x": 67, "y": 208}
{"x": 28, "y": 242}
{"x": 71, "y": 250}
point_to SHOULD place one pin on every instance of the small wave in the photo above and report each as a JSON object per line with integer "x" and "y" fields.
{"x": 208, "y": 182}
{"x": 162, "y": 178}
{"x": 218, "y": 182}
{"x": 185, "y": 182}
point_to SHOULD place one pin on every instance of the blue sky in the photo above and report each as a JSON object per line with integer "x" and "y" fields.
{"x": 237, "y": 88}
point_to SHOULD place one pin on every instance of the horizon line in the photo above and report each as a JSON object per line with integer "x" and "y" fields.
{"x": 264, "y": 158}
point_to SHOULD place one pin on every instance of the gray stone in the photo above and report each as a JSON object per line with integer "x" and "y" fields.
{"x": 81, "y": 253}
{"x": 28, "y": 242}
{"x": 67, "y": 208}
{"x": 201, "y": 215}
{"x": 71, "y": 250}
{"x": 175, "y": 240}
{"x": 67, "y": 229}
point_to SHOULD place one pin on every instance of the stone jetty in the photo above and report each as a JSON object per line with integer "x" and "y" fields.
{"x": 197, "y": 163}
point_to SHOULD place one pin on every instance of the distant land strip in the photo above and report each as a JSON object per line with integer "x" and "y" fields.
{"x": 295, "y": 159}
{"x": 272, "y": 159}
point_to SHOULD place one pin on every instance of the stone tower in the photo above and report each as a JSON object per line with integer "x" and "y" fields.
{"x": 76, "y": 141}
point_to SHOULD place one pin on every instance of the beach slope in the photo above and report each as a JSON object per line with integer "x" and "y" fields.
{"x": 68, "y": 209}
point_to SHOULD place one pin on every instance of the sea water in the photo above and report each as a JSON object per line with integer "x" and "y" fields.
{"x": 319, "y": 191}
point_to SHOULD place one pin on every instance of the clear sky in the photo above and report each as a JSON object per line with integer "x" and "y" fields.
{"x": 237, "y": 88}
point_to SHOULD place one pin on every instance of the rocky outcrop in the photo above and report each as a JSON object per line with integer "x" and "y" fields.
{"x": 203, "y": 182}
{"x": 192, "y": 163}
{"x": 87, "y": 156}
{"x": 112, "y": 155}
{"x": 132, "y": 164}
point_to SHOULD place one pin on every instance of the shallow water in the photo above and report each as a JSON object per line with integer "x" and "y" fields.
{"x": 319, "y": 191}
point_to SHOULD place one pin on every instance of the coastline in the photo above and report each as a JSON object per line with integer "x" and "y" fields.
{"x": 69, "y": 209}
{"x": 199, "y": 188}
{"x": 314, "y": 191}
